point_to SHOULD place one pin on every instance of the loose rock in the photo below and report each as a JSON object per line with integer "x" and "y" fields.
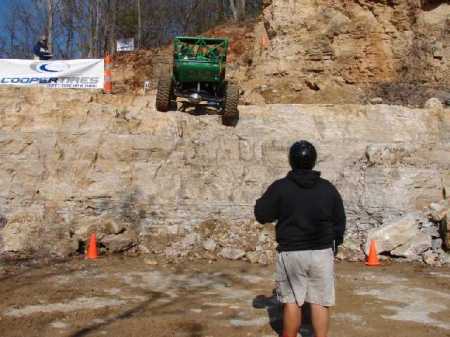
{"x": 431, "y": 258}
{"x": 209, "y": 245}
{"x": 394, "y": 234}
{"x": 253, "y": 257}
{"x": 350, "y": 250}
{"x": 120, "y": 243}
{"x": 376, "y": 100}
{"x": 438, "y": 211}
{"x": 433, "y": 103}
{"x": 151, "y": 262}
{"x": 232, "y": 253}
{"x": 414, "y": 247}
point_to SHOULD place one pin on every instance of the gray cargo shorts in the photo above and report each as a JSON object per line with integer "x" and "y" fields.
{"x": 306, "y": 276}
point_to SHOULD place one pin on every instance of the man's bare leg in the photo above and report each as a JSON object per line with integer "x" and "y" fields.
{"x": 291, "y": 319}
{"x": 320, "y": 320}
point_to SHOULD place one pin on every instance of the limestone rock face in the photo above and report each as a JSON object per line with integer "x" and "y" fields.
{"x": 209, "y": 245}
{"x": 75, "y": 162}
{"x": 349, "y": 51}
{"x": 438, "y": 211}
{"x": 232, "y": 253}
{"x": 433, "y": 103}
{"x": 410, "y": 237}
{"x": 413, "y": 248}
{"x": 350, "y": 250}
{"x": 119, "y": 243}
{"x": 394, "y": 235}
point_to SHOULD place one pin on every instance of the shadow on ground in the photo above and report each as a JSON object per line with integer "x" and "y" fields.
{"x": 132, "y": 312}
{"x": 201, "y": 110}
{"x": 275, "y": 313}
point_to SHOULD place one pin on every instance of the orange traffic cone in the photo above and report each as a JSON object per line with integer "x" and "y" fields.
{"x": 372, "y": 259}
{"x": 92, "y": 248}
{"x": 107, "y": 86}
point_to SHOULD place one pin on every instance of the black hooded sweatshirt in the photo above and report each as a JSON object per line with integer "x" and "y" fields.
{"x": 309, "y": 211}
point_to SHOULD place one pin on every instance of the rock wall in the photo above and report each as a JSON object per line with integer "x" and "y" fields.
{"x": 328, "y": 51}
{"x": 74, "y": 162}
{"x": 340, "y": 51}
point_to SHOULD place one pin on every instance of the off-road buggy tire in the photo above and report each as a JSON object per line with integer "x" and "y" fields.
{"x": 164, "y": 93}
{"x": 230, "y": 115}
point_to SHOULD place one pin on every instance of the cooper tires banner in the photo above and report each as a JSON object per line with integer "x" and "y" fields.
{"x": 82, "y": 74}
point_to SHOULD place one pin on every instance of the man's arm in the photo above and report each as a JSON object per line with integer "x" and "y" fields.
{"x": 340, "y": 220}
{"x": 267, "y": 207}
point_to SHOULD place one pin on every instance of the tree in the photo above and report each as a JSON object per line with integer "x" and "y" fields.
{"x": 2, "y": 47}
{"x": 50, "y": 8}
{"x": 97, "y": 31}
{"x": 237, "y": 9}
{"x": 112, "y": 26}
{"x": 67, "y": 24}
{"x": 139, "y": 39}
{"x": 88, "y": 28}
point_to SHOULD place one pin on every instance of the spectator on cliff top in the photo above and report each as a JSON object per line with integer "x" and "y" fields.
{"x": 310, "y": 225}
{"x": 40, "y": 49}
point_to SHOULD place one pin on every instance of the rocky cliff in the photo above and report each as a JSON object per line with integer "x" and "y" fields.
{"x": 75, "y": 162}
{"x": 330, "y": 51}
{"x": 338, "y": 51}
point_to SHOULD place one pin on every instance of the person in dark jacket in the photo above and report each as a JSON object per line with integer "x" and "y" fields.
{"x": 40, "y": 49}
{"x": 310, "y": 226}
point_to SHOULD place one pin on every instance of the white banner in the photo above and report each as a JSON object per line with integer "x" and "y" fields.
{"x": 84, "y": 74}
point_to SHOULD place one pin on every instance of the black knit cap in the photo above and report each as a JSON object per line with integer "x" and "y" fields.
{"x": 302, "y": 155}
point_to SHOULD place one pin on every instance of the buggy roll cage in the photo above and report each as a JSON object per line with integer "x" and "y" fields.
{"x": 200, "y": 49}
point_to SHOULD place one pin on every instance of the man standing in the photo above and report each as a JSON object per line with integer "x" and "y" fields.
{"x": 310, "y": 225}
{"x": 40, "y": 49}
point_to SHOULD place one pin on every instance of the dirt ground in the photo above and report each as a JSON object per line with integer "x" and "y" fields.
{"x": 120, "y": 296}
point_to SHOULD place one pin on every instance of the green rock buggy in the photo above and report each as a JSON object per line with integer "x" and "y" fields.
{"x": 198, "y": 78}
